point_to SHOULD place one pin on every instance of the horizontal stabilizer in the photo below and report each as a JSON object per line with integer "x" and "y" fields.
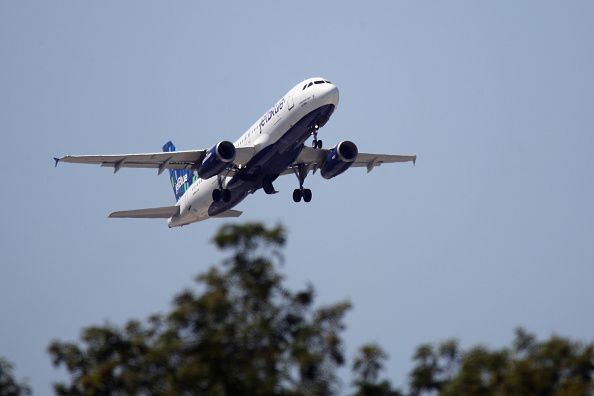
{"x": 164, "y": 212}
{"x": 229, "y": 213}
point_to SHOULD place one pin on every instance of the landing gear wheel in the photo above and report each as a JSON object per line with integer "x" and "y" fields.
{"x": 306, "y": 194}
{"x": 216, "y": 195}
{"x": 319, "y": 144}
{"x": 226, "y": 195}
{"x": 301, "y": 173}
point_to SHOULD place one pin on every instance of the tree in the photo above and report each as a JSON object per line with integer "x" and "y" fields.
{"x": 9, "y": 386}
{"x": 556, "y": 366}
{"x": 367, "y": 365}
{"x": 435, "y": 366}
{"x": 241, "y": 332}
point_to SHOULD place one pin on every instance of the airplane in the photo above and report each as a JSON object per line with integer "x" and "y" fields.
{"x": 210, "y": 182}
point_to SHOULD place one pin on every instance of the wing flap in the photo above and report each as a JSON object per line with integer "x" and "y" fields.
{"x": 163, "y": 212}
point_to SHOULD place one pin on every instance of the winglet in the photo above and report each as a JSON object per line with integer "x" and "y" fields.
{"x": 57, "y": 160}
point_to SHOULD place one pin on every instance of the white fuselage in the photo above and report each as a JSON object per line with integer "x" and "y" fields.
{"x": 266, "y": 131}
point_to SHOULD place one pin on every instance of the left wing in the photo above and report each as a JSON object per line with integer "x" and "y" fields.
{"x": 189, "y": 159}
{"x": 314, "y": 158}
{"x": 370, "y": 161}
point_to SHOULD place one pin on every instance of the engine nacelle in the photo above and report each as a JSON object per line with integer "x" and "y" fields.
{"x": 339, "y": 159}
{"x": 216, "y": 160}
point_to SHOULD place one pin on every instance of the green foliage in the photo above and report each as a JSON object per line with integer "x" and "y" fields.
{"x": 369, "y": 362}
{"x": 434, "y": 366}
{"x": 367, "y": 365}
{"x": 9, "y": 386}
{"x": 241, "y": 332}
{"x": 557, "y": 366}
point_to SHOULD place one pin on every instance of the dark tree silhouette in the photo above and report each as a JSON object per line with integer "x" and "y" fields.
{"x": 557, "y": 366}
{"x": 367, "y": 365}
{"x": 240, "y": 332}
{"x": 9, "y": 386}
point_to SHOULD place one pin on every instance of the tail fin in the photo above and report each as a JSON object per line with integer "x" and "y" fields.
{"x": 181, "y": 179}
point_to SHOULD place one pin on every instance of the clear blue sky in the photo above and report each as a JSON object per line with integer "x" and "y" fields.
{"x": 491, "y": 230}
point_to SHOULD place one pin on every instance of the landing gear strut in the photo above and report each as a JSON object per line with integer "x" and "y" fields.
{"x": 305, "y": 193}
{"x": 221, "y": 193}
{"x": 317, "y": 143}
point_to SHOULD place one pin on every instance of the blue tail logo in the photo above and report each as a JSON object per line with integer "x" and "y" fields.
{"x": 181, "y": 179}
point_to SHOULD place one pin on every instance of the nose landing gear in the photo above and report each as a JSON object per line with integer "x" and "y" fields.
{"x": 298, "y": 193}
{"x": 317, "y": 143}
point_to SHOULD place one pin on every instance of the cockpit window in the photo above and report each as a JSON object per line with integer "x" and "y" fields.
{"x": 315, "y": 82}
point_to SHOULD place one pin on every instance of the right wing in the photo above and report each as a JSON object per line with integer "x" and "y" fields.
{"x": 163, "y": 212}
{"x": 189, "y": 159}
{"x": 161, "y": 160}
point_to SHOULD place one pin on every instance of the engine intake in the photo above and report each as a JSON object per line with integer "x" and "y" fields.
{"x": 339, "y": 159}
{"x": 216, "y": 159}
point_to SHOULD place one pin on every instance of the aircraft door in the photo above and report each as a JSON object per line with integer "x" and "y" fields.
{"x": 291, "y": 102}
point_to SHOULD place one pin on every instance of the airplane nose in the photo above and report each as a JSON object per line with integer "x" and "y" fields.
{"x": 331, "y": 94}
{"x": 334, "y": 94}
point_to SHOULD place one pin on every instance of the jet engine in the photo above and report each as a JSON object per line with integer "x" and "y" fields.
{"x": 216, "y": 159}
{"x": 339, "y": 159}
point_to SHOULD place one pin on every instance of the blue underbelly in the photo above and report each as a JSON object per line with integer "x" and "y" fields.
{"x": 272, "y": 160}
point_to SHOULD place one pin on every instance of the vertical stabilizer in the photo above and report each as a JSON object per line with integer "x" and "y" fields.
{"x": 181, "y": 179}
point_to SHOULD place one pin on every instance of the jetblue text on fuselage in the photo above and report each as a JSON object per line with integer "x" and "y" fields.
{"x": 272, "y": 112}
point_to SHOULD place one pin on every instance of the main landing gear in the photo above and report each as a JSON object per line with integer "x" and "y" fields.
{"x": 305, "y": 193}
{"x": 221, "y": 193}
{"x": 317, "y": 143}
